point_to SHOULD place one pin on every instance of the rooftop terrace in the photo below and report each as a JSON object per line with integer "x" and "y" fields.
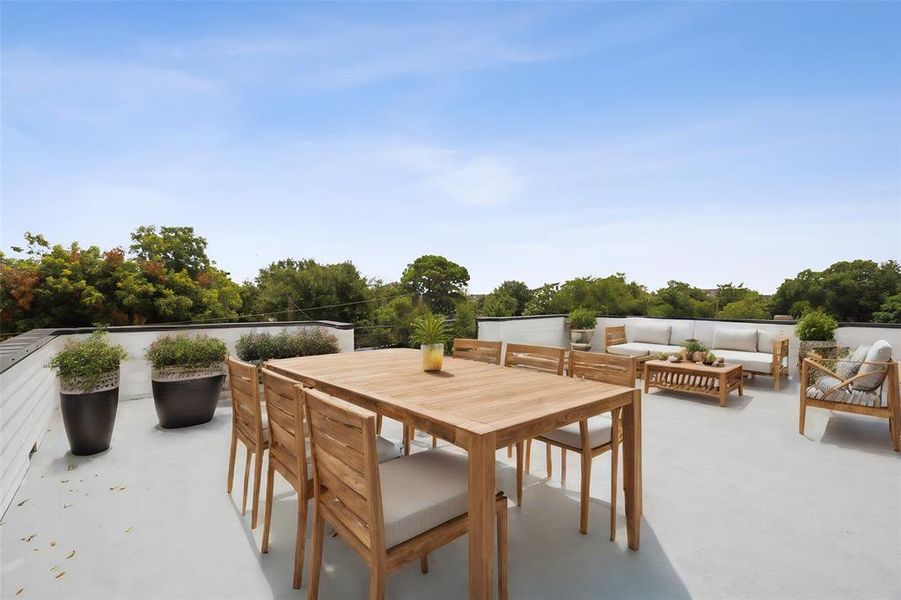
{"x": 736, "y": 505}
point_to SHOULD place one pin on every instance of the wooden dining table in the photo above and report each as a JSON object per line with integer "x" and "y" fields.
{"x": 481, "y": 408}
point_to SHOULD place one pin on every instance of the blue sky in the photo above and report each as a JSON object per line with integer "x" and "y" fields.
{"x": 706, "y": 142}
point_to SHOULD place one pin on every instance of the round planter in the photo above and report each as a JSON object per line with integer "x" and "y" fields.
{"x": 89, "y": 419}
{"x": 432, "y": 356}
{"x": 698, "y": 357}
{"x": 186, "y": 402}
{"x": 581, "y": 336}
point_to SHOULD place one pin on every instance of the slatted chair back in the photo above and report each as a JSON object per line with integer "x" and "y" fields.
{"x": 614, "y": 336}
{"x": 247, "y": 414}
{"x": 548, "y": 359}
{"x": 345, "y": 466}
{"x": 608, "y": 368}
{"x": 287, "y": 443}
{"x": 480, "y": 350}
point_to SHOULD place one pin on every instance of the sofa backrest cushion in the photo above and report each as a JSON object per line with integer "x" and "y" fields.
{"x": 681, "y": 331}
{"x": 848, "y": 367}
{"x": 744, "y": 340}
{"x": 765, "y": 339}
{"x": 651, "y": 333}
{"x": 879, "y": 352}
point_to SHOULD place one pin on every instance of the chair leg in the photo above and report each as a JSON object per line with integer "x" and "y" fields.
{"x": 257, "y": 476}
{"x": 434, "y": 442}
{"x": 550, "y": 463}
{"x": 802, "y": 418}
{"x": 378, "y": 424}
{"x": 267, "y": 515}
{"x": 562, "y": 464}
{"x": 519, "y": 469}
{"x": 585, "y": 492}
{"x": 231, "y": 460}
{"x": 614, "y": 469}
{"x": 246, "y": 481}
{"x": 510, "y": 451}
{"x": 316, "y": 558}
{"x": 377, "y": 578}
{"x": 301, "y": 539}
{"x": 502, "y": 550}
{"x": 529, "y": 455}
{"x": 424, "y": 564}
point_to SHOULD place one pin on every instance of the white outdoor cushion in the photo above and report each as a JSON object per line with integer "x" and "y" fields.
{"x": 848, "y": 367}
{"x": 599, "y": 431}
{"x": 387, "y": 450}
{"x": 744, "y": 340}
{"x": 759, "y": 362}
{"x": 650, "y": 333}
{"x": 765, "y": 340}
{"x": 681, "y": 331}
{"x": 422, "y": 491}
{"x": 640, "y": 349}
{"x": 820, "y": 390}
{"x": 881, "y": 351}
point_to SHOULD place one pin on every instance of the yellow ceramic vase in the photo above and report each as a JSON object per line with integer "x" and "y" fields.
{"x": 432, "y": 357}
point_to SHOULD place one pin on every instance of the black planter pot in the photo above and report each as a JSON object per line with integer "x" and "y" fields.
{"x": 186, "y": 402}
{"x": 89, "y": 420}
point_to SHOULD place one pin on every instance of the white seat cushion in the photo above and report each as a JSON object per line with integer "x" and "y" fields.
{"x": 744, "y": 340}
{"x": 759, "y": 362}
{"x": 422, "y": 491}
{"x": 641, "y": 349}
{"x": 599, "y": 432}
{"x": 387, "y": 450}
{"x": 879, "y": 352}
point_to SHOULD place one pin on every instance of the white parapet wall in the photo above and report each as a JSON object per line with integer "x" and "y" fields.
{"x": 29, "y": 390}
{"x": 551, "y": 330}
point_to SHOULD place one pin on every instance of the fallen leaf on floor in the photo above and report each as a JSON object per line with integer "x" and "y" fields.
{"x": 129, "y": 530}
{"x": 23, "y": 501}
{"x": 60, "y": 574}
{"x": 52, "y": 544}
{"x": 66, "y": 505}
{"x": 54, "y": 568}
{"x": 19, "y": 591}
{"x": 72, "y": 467}
{"x": 36, "y": 549}
{"x": 71, "y": 554}
{"x": 64, "y": 481}
{"x": 117, "y": 488}
{"x": 29, "y": 538}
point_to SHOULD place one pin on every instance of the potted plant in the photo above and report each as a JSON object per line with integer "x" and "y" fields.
{"x": 258, "y": 347}
{"x": 89, "y": 391}
{"x": 186, "y": 376}
{"x": 694, "y": 350}
{"x": 430, "y": 333}
{"x": 581, "y": 325}
{"x": 816, "y": 332}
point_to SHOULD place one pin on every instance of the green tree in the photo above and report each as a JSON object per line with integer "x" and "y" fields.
{"x": 176, "y": 248}
{"x": 679, "y": 299}
{"x": 545, "y": 301}
{"x": 436, "y": 281}
{"x": 890, "y": 311}
{"x": 507, "y": 300}
{"x": 750, "y": 306}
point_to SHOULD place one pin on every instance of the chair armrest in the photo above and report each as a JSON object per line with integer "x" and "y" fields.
{"x": 614, "y": 335}
{"x": 819, "y": 367}
{"x": 780, "y": 352}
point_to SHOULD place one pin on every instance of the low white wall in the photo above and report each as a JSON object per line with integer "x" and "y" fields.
{"x": 552, "y": 331}
{"x": 29, "y": 390}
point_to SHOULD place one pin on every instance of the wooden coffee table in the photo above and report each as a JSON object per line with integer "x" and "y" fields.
{"x": 694, "y": 378}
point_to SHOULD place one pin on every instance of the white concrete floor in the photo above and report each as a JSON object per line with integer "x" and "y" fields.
{"x": 737, "y": 505}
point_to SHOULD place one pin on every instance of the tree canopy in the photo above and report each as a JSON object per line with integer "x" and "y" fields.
{"x": 437, "y": 281}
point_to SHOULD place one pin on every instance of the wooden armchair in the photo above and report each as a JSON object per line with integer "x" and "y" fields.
{"x": 823, "y": 386}
{"x": 248, "y": 427}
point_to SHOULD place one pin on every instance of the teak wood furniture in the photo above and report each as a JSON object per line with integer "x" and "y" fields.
{"x": 479, "y": 408}
{"x": 694, "y": 378}
{"x": 869, "y": 404}
{"x": 248, "y": 428}
{"x": 349, "y": 496}
{"x": 592, "y": 437}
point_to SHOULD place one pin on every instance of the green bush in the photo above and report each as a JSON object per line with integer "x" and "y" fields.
{"x": 257, "y": 347}
{"x": 582, "y": 318}
{"x": 816, "y": 325}
{"x": 184, "y": 351}
{"x": 83, "y": 363}
{"x": 429, "y": 329}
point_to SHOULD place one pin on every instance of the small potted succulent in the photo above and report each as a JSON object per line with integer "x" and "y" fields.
{"x": 694, "y": 350}
{"x": 89, "y": 391}
{"x": 709, "y": 358}
{"x": 430, "y": 333}
{"x": 581, "y": 325}
{"x": 186, "y": 376}
{"x": 816, "y": 332}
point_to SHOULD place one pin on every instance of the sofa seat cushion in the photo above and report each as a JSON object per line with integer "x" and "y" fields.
{"x": 758, "y": 362}
{"x": 387, "y": 450}
{"x": 600, "y": 429}
{"x": 422, "y": 491}
{"x": 639, "y": 349}
{"x": 650, "y": 333}
{"x": 820, "y": 390}
{"x": 744, "y": 340}
{"x": 879, "y": 352}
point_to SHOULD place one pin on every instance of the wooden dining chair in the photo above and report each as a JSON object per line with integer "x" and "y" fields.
{"x": 248, "y": 427}
{"x": 393, "y": 513}
{"x": 546, "y": 359}
{"x": 594, "y": 436}
{"x": 289, "y": 455}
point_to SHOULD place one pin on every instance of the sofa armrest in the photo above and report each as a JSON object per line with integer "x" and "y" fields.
{"x": 614, "y": 336}
{"x": 780, "y": 353}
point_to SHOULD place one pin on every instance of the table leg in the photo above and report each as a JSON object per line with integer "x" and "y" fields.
{"x": 723, "y": 390}
{"x": 632, "y": 468}
{"x": 481, "y": 515}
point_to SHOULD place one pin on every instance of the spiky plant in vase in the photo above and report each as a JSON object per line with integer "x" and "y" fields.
{"x": 430, "y": 332}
